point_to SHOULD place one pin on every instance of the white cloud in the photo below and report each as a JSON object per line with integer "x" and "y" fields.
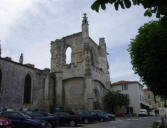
{"x": 28, "y": 26}
{"x": 10, "y": 12}
{"x": 38, "y": 54}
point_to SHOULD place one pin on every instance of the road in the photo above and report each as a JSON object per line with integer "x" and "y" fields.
{"x": 142, "y": 122}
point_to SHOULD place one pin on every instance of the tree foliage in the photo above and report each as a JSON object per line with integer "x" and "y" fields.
{"x": 159, "y": 7}
{"x": 113, "y": 99}
{"x": 148, "y": 53}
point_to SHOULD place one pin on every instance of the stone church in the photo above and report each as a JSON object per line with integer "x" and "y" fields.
{"x": 78, "y": 85}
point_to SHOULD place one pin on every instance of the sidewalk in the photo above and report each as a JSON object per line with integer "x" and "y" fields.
{"x": 125, "y": 118}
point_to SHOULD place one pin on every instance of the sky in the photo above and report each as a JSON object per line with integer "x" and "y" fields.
{"x": 28, "y": 27}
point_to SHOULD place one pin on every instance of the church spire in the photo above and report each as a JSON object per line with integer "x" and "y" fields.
{"x": 85, "y": 26}
{"x": 21, "y": 59}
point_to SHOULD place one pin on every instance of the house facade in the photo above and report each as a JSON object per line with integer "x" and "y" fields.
{"x": 134, "y": 91}
{"x": 155, "y": 101}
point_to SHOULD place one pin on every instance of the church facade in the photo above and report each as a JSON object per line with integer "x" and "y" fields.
{"x": 78, "y": 85}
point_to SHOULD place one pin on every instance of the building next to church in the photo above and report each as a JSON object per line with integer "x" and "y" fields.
{"x": 154, "y": 100}
{"x": 134, "y": 91}
{"x": 80, "y": 84}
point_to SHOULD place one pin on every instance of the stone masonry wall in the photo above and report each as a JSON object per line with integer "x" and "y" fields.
{"x": 13, "y": 81}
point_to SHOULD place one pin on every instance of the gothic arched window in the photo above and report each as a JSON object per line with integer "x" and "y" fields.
{"x": 27, "y": 90}
{"x": 68, "y": 55}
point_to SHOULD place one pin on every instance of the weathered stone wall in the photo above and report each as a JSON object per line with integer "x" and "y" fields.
{"x": 13, "y": 82}
{"x": 73, "y": 92}
{"x": 88, "y": 61}
{"x": 75, "y": 85}
{"x": 58, "y": 50}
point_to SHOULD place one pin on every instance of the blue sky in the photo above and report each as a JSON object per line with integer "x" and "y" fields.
{"x": 28, "y": 26}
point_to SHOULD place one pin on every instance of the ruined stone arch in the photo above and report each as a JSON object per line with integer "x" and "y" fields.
{"x": 27, "y": 89}
{"x": 98, "y": 92}
{"x": 75, "y": 51}
{"x": 101, "y": 84}
{"x": 68, "y": 55}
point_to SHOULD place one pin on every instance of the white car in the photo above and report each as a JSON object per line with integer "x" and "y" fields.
{"x": 152, "y": 113}
{"x": 143, "y": 112}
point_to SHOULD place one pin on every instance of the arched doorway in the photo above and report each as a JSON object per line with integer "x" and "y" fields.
{"x": 27, "y": 90}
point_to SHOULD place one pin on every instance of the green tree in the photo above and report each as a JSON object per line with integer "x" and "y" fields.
{"x": 114, "y": 99}
{"x": 148, "y": 53}
{"x": 159, "y": 7}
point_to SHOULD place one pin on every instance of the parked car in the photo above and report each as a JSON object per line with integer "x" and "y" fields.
{"x": 21, "y": 120}
{"x": 40, "y": 115}
{"x": 85, "y": 116}
{"x": 152, "y": 113}
{"x": 110, "y": 116}
{"x": 67, "y": 119}
{"x": 122, "y": 114}
{"x": 5, "y": 123}
{"x": 99, "y": 115}
{"x": 59, "y": 109}
{"x": 7, "y": 109}
{"x": 143, "y": 112}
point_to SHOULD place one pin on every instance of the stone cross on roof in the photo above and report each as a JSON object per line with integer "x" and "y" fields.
{"x": 85, "y": 20}
{"x": 21, "y": 59}
{"x": 85, "y": 27}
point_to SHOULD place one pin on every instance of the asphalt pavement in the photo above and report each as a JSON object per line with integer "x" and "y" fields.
{"x": 141, "y": 122}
